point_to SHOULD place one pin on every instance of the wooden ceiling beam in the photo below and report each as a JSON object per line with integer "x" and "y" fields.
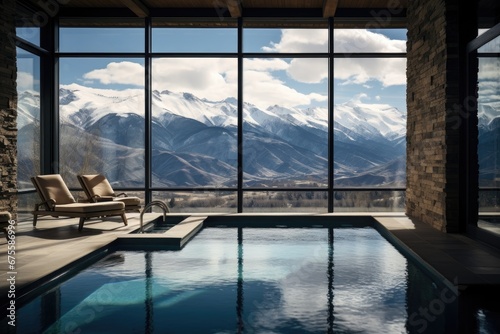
{"x": 234, "y": 7}
{"x": 137, "y": 7}
{"x": 330, "y": 7}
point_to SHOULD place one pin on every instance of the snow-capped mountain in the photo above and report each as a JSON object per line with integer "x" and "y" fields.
{"x": 195, "y": 140}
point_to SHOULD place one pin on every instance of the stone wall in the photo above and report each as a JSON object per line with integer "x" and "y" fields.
{"x": 433, "y": 102}
{"x": 8, "y": 106}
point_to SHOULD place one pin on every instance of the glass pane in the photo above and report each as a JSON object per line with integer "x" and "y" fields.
{"x": 25, "y": 204}
{"x": 369, "y": 201}
{"x": 198, "y": 201}
{"x": 370, "y": 122}
{"x": 489, "y": 142}
{"x": 285, "y": 201}
{"x": 491, "y": 46}
{"x": 285, "y": 122}
{"x": 489, "y": 210}
{"x": 194, "y": 122}
{"x": 488, "y": 122}
{"x": 285, "y": 40}
{"x": 30, "y": 34}
{"x": 101, "y": 108}
{"x": 28, "y": 22}
{"x": 101, "y": 40}
{"x": 369, "y": 40}
{"x": 194, "y": 40}
{"x": 28, "y": 118}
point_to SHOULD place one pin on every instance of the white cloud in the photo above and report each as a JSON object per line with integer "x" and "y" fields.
{"x": 260, "y": 64}
{"x": 489, "y": 86}
{"x": 216, "y": 78}
{"x": 362, "y": 40}
{"x": 359, "y": 97}
{"x": 210, "y": 78}
{"x": 308, "y": 70}
{"x": 300, "y": 40}
{"x": 264, "y": 90}
{"x": 489, "y": 69}
{"x": 389, "y": 71}
{"x": 86, "y": 82}
{"x": 213, "y": 79}
{"x": 25, "y": 81}
{"x": 124, "y": 72}
{"x": 353, "y": 71}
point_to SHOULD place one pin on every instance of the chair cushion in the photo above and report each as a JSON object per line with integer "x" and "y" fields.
{"x": 90, "y": 207}
{"x": 52, "y": 186}
{"x": 97, "y": 184}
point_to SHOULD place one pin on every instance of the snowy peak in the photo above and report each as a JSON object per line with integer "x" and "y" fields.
{"x": 379, "y": 120}
{"x": 376, "y": 120}
{"x": 79, "y": 104}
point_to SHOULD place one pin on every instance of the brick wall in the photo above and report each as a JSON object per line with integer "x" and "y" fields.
{"x": 432, "y": 100}
{"x": 8, "y": 106}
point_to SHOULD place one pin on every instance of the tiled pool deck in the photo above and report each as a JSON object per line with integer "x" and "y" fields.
{"x": 56, "y": 243}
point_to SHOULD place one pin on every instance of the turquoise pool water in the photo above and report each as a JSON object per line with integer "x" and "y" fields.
{"x": 250, "y": 280}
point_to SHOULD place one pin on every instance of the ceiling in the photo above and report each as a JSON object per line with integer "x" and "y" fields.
{"x": 265, "y": 13}
{"x": 237, "y": 8}
{"x": 272, "y": 12}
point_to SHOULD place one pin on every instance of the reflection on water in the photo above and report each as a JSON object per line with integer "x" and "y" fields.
{"x": 244, "y": 280}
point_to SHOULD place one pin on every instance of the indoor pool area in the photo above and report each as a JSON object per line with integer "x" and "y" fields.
{"x": 252, "y": 274}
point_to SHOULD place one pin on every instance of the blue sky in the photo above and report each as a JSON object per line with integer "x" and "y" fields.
{"x": 289, "y": 82}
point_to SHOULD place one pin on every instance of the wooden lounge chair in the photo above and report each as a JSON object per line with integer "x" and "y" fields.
{"x": 57, "y": 201}
{"x": 98, "y": 189}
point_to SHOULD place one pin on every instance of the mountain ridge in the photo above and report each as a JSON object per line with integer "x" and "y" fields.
{"x": 280, "y": 144}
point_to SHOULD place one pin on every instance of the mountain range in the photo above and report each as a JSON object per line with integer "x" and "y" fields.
{"x": 194, "y": 140}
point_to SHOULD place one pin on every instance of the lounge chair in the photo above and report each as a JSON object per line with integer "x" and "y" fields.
{"x": 57, "y": 201}
{"x": 98, "y": 189}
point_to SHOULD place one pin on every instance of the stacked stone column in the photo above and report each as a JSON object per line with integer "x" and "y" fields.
{"x": 8, "y": 106}
{"x": 434, "y": 114}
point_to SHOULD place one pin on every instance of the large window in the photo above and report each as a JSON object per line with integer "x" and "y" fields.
{"x": 194, "y": 122}
{"x": 29, "y": 73}
{"x": 287, "y": 121}
{"x": 28, "y": 117}
{"x": 102, "y": 104}
{"x": 488, "y": 150}
{"x": 369, "y": 141}
{"x": 102, "y": 119}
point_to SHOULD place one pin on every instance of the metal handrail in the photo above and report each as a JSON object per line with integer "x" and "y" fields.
{"x": 148, "y": 206}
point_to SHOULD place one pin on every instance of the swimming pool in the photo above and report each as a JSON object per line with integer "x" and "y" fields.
{"x": 250, "y": 280}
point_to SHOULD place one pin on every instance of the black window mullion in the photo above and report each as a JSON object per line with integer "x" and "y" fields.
{"x": 147, "y": 111}
{"x": 240, "y": 116}
{"x": 330, "y": 116}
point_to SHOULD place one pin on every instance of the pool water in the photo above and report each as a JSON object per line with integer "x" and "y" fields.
{"x": 249, "y": 280}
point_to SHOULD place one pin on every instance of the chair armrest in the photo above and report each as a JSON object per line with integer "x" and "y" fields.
{"x": 98, "y": 198}
{"x": 121, "y": 194}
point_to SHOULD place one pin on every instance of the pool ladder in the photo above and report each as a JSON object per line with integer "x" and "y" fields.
{"x": 148, "y": 206}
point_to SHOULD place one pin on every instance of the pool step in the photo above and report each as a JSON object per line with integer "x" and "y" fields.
{"x": 163, "y": 234}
